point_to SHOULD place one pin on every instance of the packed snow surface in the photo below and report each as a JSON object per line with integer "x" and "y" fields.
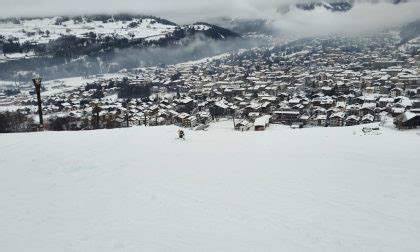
{"x": 140, "y": 189}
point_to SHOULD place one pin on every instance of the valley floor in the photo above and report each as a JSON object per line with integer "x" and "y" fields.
{"x": 140, "y": 189}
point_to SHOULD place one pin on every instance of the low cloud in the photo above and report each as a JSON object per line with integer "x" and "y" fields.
{"x": 366, "y": 16}
{"x": 363, "y": 18}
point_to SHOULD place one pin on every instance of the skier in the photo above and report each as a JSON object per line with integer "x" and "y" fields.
{"x": 181, "y": 134}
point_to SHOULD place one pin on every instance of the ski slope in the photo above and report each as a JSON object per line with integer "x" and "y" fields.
{"x": 139, "y": 189}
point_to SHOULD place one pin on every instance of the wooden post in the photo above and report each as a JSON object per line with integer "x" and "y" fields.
{"x": 37, "y": 84}
{"x": 234, "y": 124}
{"x": 96, "y": 110}
{"x": 126, "y": 113}
{"x": 97, "y": 118}
{"x": 127, "y": 119}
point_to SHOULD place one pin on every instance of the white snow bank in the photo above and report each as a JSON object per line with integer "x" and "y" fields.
{"x": 139, "y": 189}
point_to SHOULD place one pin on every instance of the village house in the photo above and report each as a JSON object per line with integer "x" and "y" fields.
{"x": 368, "y": 118}
{"x": 261, "y": 123}
{"x": 407, "y": 120}
{"x": 352, "y": 120}
{"x": 243, "y": 125}
{"x": 337, "y": 119}
{"x": 319, "y": 120}
{"x": 286, "y": 117}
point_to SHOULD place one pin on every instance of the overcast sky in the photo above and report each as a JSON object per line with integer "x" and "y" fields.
{"x": 363, "y": 17}
{"x": 178, "y": 10}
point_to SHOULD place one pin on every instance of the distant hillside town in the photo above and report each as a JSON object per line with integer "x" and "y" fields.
{"x": 318, "y": 82}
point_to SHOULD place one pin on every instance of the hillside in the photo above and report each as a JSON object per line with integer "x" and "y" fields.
{"x": 91, "y": 44}
{"x": 28, "y": 35}
{"x": 340, "y": 5}
{"x": 410, "y": 31}
{"x": 134, "y": 189}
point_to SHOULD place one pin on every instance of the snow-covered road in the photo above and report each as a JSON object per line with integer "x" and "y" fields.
{"x": 139, "y": 189}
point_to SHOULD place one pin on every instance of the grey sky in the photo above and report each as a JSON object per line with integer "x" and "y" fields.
{"x": 362, "y": 18}
{"x": 179, "y": 10}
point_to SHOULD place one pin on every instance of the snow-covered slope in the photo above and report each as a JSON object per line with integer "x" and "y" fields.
{"x": 47, "y": 29}
{"x": 139, "y": 189}
{"x": 69, "y": 46}
{"x": 43, "y": 30}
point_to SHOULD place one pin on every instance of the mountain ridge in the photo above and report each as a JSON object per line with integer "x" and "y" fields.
{"x": 339, "y": 5}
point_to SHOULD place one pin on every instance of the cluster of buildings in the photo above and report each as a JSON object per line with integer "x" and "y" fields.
{"x": 327, "y": 82}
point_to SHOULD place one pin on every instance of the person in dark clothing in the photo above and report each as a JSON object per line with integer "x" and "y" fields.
{"x": 181, "y": 134}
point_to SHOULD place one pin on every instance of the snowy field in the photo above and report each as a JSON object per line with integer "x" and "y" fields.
{"x": 139, "y": 189}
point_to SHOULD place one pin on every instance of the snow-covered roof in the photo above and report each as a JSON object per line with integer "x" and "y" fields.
{"x": 352, "y": 117}
{"x": 338, "y": 115}
{"x": 368, "y": 117}
{"x": 262, "y": 121}
{"x": 408, "y": 116}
